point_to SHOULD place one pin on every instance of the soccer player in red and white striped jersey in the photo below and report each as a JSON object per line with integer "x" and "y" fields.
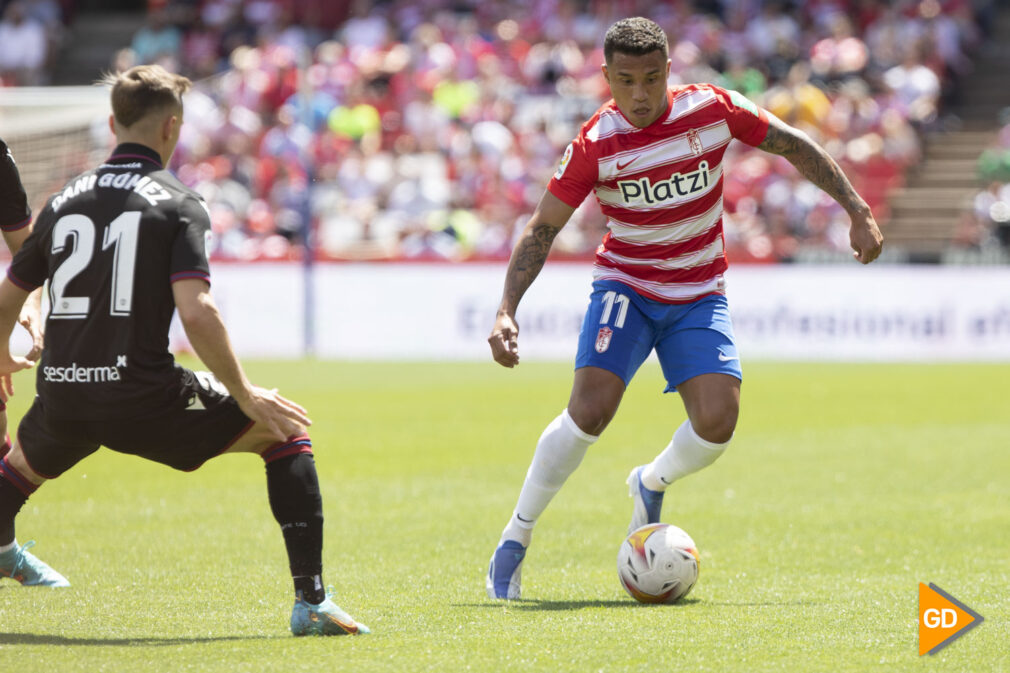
{"x": 661, "y": 189}
{"x": 653, "y": 156}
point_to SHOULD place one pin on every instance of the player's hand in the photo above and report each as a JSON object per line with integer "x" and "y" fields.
{"x": 865, "y": 237}
{"x": 504, "y": 341}
{"x": 8, "y": 365}
{"x": 31, "y": 320}
{"x": 282, "y": 417}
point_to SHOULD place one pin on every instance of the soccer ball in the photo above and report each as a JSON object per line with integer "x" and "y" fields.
{"x": 658, "y": 563}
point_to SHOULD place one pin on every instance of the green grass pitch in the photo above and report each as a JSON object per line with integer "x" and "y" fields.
{"x": 846, "y": 486}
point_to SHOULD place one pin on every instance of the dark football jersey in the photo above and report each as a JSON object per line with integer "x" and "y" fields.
{"x": 111, "y": 244}
{"x": 14, "y": 211}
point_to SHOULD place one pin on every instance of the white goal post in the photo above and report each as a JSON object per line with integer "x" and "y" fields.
{"x": 54, "y": 133}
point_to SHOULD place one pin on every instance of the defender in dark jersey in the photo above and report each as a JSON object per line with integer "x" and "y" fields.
{"x": 122, "y": 247}
{"x": 15, "y": 225}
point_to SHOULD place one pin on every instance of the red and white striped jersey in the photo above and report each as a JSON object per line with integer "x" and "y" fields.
{"x": 660, "y": 188}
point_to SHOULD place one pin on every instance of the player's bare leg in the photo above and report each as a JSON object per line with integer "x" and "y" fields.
{"x": 596, "y": 395}
{"x": 6, "y": 446}
{"x": 17, "y": 482}
{"x": 712, "y": 402}
{"x": 295, "y": 500}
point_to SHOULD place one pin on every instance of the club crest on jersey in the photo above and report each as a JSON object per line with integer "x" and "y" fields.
{"x": 603, "y": 339}
{"x": 675, "y": 188}
{"x": 694, "y": 141}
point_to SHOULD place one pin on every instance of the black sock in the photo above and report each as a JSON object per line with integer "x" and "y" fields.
{"x": 11, "y": 500}
{"x": 310, "y": 588}
{"x": 293, "y": 489}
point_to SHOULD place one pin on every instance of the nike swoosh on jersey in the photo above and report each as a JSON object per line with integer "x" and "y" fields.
{"x": 726, "y": 358}
{"x": 621, "y": 166}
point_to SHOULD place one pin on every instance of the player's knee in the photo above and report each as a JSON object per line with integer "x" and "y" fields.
{"x": 293, "y": 446}
{"x": 717, "y": 434}
{"x": 15, "y": 458}
{"x": 592, "y": 416}
{"x": 262, "y": 440}
{"x": 715, "y": 423}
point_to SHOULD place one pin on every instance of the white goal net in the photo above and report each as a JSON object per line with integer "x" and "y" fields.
{"x": 54, "y": 133}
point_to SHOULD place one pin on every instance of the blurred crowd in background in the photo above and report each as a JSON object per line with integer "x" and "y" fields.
{"x": 987, "y": 226}
{"x": 30, "y": 35}
{"x": 429, "y": 129}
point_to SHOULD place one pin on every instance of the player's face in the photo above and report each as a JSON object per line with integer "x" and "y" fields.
{"x": 638, "y": 85}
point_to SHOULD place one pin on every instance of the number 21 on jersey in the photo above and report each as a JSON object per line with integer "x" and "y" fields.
{"x": 78, "y": 231}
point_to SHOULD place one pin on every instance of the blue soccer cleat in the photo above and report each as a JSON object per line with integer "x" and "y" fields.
{"x": 20, "y": 565}
{"x": 648, "y": 503}
{"x": 325, "y": 619}
{"x": 504, "y": 572}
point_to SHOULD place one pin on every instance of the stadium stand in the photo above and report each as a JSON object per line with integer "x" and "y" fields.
{"x": 30, "y": 35}
{"x": 940, "y": 212}
{"x": 427, "y": 130}
{"x": 983, "y": 229}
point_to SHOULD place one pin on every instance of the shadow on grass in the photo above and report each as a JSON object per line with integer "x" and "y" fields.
{"x": 540, "y": 605}
{"x": 48, "y": 639}
{"x": 537, "y": 605}
{"x": 761, "y": 604}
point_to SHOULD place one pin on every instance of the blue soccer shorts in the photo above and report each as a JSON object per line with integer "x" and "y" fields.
{"x": 621, "y": 329}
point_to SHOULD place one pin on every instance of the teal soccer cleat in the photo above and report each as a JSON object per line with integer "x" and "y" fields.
{"x": 20, "y": 565}
{"x": 325, "y": 619}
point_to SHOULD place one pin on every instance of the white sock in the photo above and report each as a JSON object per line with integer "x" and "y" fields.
{"x": 559, "y": 452}
{"x": 8, "y": 547}
{"x": 686, "y": 453}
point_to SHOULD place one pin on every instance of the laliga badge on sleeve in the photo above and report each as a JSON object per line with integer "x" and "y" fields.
{"x": 564, "y": 162}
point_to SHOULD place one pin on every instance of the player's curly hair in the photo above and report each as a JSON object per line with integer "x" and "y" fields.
{"x": 142, "y": 90}
{"x": 636, "y": 36}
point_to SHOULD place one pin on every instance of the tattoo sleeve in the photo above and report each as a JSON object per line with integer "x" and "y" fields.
{"x": 527, "y": 259}
{"x": 813, "y": 163}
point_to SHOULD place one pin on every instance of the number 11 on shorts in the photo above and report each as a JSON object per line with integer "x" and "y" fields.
{"x": 609, "y": 299}
{"x": 605, "y": 334}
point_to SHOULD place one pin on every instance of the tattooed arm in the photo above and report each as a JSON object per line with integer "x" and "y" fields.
{"x": 527, "y": 259}
{"x": 818, "y": 167}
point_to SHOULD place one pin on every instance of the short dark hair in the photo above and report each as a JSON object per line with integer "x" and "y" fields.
{"x": 636, "y": 36}
{"x": 144, "y": 89}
